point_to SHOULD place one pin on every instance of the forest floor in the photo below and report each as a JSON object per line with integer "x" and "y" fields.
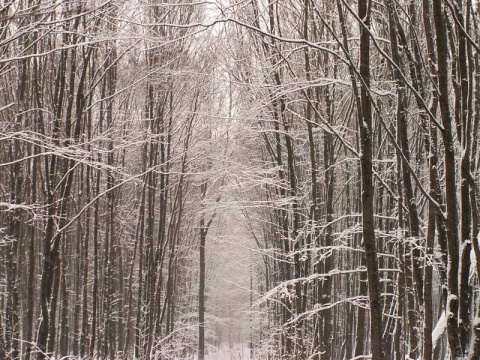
{"x": 228, "y": 309}
{"x": 238, "y": 352}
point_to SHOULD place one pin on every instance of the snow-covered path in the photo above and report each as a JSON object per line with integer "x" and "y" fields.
{"x": 228, "y": 311}
{"x": 238, "y": 352}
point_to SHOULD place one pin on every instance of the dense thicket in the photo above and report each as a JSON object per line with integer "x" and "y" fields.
{"x": 341, "y": 138}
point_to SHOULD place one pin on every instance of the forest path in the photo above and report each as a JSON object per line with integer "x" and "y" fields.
{"x": 238, "y": 352}
{"x": 229, "y": 268}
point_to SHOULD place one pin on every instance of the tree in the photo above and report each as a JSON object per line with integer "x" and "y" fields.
{"x": 343, "y": 141}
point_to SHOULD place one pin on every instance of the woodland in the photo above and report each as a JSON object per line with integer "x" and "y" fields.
{"x": 239, "y": 179}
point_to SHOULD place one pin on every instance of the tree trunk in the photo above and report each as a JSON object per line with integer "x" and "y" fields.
{"x": 450, "y": 181}
{"x": 366, "y": 148}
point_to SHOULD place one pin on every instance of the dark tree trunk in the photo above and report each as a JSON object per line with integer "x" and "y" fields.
{"x": 450, "y": 181}
{"x": 366, "y": 148}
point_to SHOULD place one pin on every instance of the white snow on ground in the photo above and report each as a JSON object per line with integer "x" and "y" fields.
{"x": 238, "y": 352}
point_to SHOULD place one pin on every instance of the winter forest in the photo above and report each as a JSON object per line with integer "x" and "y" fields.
{"x": 239, "y": 179}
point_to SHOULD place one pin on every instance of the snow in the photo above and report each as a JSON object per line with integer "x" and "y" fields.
{"x": 473, "y": 266}
{"x": 238, "y": 352}
{"x": 439, "y": 328}
{"x": 450, "y": 298}
{"x": 11, "y": 207}
{"x": 476, "y": 322}
{"x": 235, "y": 352}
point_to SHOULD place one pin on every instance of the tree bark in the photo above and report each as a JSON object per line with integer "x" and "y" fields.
{"x": 366, "y": 148}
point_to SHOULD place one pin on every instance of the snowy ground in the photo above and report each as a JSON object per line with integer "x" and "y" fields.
{"x": 238, "y": 352}
{"x": 225, "y": 353}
